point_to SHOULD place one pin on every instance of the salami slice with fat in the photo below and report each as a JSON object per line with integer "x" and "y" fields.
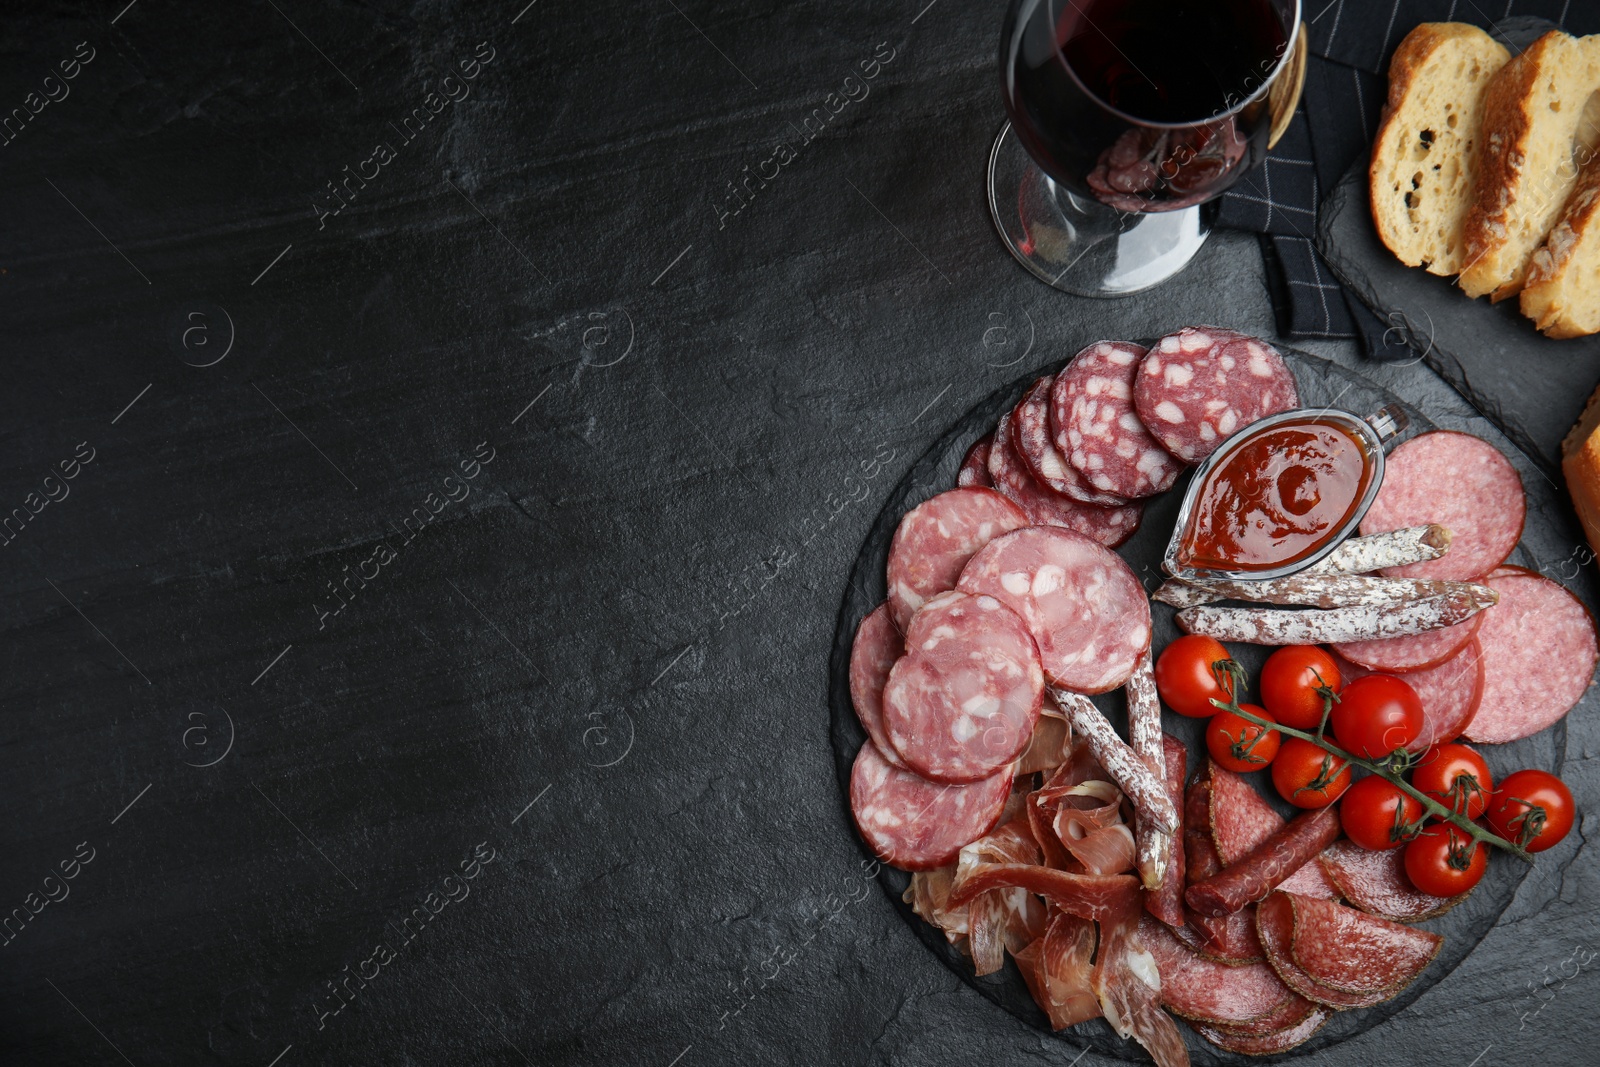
{"x": 1414, "y": 652}
{"x": 1086, "y": 610}
{"x": 962, "y": 702}
{"x": 917, "y": 825}
{"x": 1207, "y": 991}
{"x": 1110, "y": 526}
{"x": 1242, "y": 821}
{"x": 1200, "y": 385}
{"x": 1036, "y": 446}
{"x": 1097, "y": 429}
{"x": 1376, "y": 882}
{"x": 1275, "y": 924}
{"x": 1462, "y": 483}
{"x": 1541, "y": 640}
{"x": 1270, "y": 1042}
{"x": 975, "y": 464}
{"x": 1450, "y": 694}
{"x": 936, "y": 538}
{"x": 873, "y": 654}
{"x": 1353, "y": 952}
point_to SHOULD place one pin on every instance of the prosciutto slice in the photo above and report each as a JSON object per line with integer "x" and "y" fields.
{"x": 1127, "y": 983}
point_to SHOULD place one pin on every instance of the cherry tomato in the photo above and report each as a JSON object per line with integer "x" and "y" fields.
{"x": 1291, "y": 684}
{"x": 1186, "y": 675}
{"x": 1239, "y": 744}
{"x": 1376, "y": 714}
{"x": 1532, "y": 808}
{"x": 1444, "y": 861}
{"x": 1377, "y": 815}
{"x": 1455, "y": 776}
{"x": 1308, "y": 777}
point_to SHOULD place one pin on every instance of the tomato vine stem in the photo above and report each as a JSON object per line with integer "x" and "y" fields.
{"x": 1382, "y": 770}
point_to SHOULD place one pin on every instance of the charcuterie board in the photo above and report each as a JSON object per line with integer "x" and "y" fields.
{"x": 1550, "y": 544}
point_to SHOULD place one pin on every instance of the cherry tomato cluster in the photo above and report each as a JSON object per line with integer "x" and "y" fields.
{"x": 1375, "y": 717}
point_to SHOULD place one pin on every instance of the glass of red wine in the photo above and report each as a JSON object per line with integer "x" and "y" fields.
{"x": 1125, "y": 117}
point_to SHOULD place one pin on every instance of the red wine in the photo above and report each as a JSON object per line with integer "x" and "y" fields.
{"x": 1137, "y": 102}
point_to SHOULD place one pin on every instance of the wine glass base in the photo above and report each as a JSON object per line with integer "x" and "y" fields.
{"x": 1080, "y": 246}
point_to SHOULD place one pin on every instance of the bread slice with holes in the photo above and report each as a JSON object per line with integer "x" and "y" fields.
{"x": 1425, "y": 159}
{"x": 1562, "y": 294}
{"x": 1532, "y": 114}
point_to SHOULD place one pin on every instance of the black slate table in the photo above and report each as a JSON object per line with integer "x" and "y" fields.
{"x": 470, "y": 411}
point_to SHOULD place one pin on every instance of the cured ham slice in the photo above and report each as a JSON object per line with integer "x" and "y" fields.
{"x": 877, "y": 646}
{"x": 929, "y": 897}
{"x": 1128, "y": 985}
{"x": 1376, "y": 882}
{"x": 1001, "y": 919}
{"x": 1065, "y": 955}
{"x": 936, "y": 538}
{"x": 1207, "y": 991}
{"x": 1353, "y": 952}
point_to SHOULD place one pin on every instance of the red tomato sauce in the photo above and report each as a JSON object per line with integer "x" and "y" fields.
{"x": 1276, "y": 497}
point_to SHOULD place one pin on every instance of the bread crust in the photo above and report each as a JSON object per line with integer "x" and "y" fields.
{"x": 1553, "y": 299}
{"x": 1580, "y": 464}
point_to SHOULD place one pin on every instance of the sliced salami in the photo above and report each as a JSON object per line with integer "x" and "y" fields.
{"x": 1207, "y": 991}
{"x": 1242, "y": 821}
{"x": 877, "y": 646}
{"x": 1460, "y": 482}
{"x": 1230, "y": 939}
{"x": 1036, "y": 446}
{"x": 1414, "y": 652}
{"x": 1353, "y": 952}
{"x": 1085, "y": 608}
{"x": 1109, "y": 526}
{"x": 1271, "y": 1042}
{"x": 1542, "y": 640}
{"x": 1376, "y": 882}
{"x": 1450, "y": 694}
{"x": 962, "y": 702}
{"x": 936, "y": 538}
{"x": 975, "y": 464}
{"x": 1097, "y": 429}
{"x": 917, "y": 825}
{"x": 1201, "y": 384}
{"x": 1275, "y": 924}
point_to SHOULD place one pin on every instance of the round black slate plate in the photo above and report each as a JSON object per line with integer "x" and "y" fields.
{"x": 1546, "y": 538}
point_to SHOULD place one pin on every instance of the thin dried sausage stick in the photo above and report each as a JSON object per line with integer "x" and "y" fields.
{"x": 1263, "y": 626}
{"x": 1144, "y": 737}
{"x": 1259, "y": 873}
{"x": 1130, "y": 773}
{"x": 1323, "y": 590}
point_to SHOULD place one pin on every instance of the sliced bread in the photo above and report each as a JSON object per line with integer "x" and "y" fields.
{"x": 1562, "y": 294}
{"x": 1424, "y": 161}
{"x": 1532, "y": 113}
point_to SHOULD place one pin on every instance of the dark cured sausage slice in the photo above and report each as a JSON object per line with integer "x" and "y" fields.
{"x": 1269, "y": 866}
{"x": 1097, "y": 429}
{"x": 1450, "y": 694}
{"x": 1085, "y": 608}
{"x": 1275, "y": 924}
{"x": 1461, "y": 482}
{"x": 1201, "y": 384}
{"x": 1272, "y": 1042}
{"x": 975, "y": 464}
{"x": 872, "y": 655}
{"x": 1036, "y": 447}
{"x": 936, "y": 538}
{"x": 917, "y": 825}
{"x": 1241, "y": 821}
{"x": 1207, "y": 991}
{"x": 1109, "y": 526}
{"x": 1353, "y": 952}
{"x": 962, "y": 702}
{"x": 1230, "y": 939}
{"x": 1542, "y": 640}
{"x": 1376, "y": 882}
